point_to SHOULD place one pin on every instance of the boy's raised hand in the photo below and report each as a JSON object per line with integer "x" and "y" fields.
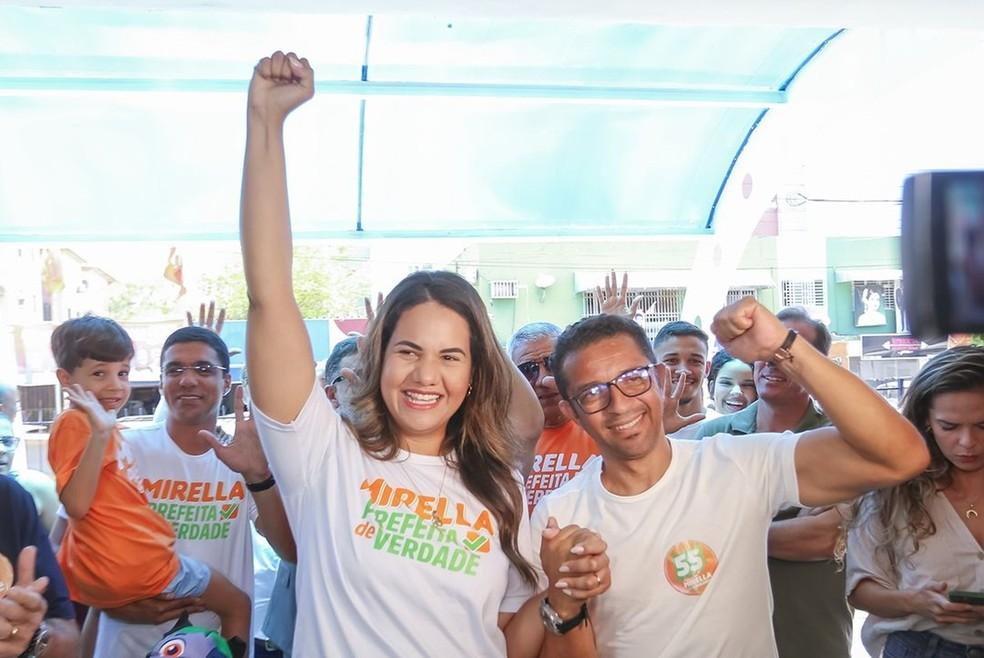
{"x": 280, "y": 84}
{"x": 102, "y": 420}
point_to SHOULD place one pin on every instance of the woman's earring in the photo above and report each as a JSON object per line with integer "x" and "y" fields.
{"x": 469, "y": 391}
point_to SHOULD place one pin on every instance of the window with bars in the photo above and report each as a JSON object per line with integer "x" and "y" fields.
{"x": 887, "y": 289}
{"x": 809, "y": 293}
{"x": 734, "y": 294}
{"x": 659, "y": 306}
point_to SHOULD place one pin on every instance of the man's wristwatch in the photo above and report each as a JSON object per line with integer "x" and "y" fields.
{"x": 39, "y": 642}
{"x": 782, "y": 354}
{"x": 557, "y": 625}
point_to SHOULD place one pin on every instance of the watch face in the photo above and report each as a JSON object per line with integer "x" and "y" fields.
{"x": 41, "y": 641}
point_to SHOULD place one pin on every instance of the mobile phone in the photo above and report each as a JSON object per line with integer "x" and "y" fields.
{"x": 973, "y": 598}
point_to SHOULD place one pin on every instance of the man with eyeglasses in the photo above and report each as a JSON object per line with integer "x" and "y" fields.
{"x": 38, "y": 484}
{"x": 208, "y": 484}
{"x": 344, "y": 358}
{"x": 563, "y": 447}
{"x": 686, "y": 522}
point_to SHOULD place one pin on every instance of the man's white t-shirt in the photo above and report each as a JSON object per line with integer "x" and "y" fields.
{"x": 210, "y": 509}
{"x": 376, "y": 575}
{"x": 688, "y": 555}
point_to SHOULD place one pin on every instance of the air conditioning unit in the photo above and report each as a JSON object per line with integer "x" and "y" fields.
{"x": 504, "y": 289}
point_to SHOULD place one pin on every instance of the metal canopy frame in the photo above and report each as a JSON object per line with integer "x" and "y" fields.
{"x": 665, "y": 95}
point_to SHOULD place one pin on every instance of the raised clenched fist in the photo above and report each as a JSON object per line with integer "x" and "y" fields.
{"x": 748, "y": 330}
{"x": 280, "y": 84}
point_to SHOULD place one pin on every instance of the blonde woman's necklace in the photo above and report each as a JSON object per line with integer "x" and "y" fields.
{"x": 970, "y": 512}
{"x": 435, "y": 517}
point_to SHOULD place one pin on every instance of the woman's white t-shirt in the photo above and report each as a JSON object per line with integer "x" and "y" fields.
{"x": 376, "y": 575}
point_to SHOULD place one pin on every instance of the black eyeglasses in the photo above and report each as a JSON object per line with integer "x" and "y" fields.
{"x": 9, "y": 442}
{"x": 531, "y": 369}
{"x": 631, "y": 383}
{"x": 203, "y": 369}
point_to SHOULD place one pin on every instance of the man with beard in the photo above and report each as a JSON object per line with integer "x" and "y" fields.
{"x": 563, "y": 447}
{"x": 811, "y": 618}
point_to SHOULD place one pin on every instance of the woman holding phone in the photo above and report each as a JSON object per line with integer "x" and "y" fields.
{"x": 914, "y": 547}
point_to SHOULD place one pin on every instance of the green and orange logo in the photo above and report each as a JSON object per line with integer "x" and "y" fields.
{"x": 689, "y": 567}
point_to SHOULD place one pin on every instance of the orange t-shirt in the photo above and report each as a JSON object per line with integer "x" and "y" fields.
{"x": 122, "y": 550}
{"x": 560, "y": 454}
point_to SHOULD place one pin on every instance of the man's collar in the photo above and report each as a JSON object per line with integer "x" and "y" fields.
{"x": 812, "y": 419}
{"x": 743, "y": 422}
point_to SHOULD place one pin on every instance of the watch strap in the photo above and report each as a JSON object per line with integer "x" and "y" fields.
{"x": 38, "y": 643}
{"x": 257, "y": 487}
{"x": 783, "y": 354}
{"x": 569, "y": 624}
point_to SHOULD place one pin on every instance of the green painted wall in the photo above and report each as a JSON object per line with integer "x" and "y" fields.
{"x": 561, "y": 304}
{"x": 857, "y": 253}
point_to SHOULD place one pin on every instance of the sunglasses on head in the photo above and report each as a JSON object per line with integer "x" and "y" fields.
{"x": 531, "y": 369}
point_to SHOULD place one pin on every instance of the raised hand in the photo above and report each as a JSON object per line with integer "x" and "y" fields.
{"x": 102, "y": 420}
{"x": 209, "y": 321}
{"x": 672, "y": 420}
{"x": 576, "y": 564}
{"x": 242, "y": 451}
{"x": 371, "y": 312}
{"x": 22, "y": 607}
{"x": 280, "y": 84}
{"x": 748, "y": 331}
{"x": 615, "y": 301}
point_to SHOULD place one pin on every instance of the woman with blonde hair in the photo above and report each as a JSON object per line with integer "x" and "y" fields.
{"x": 913, "y": 545}
{"x": 410, "y": 522}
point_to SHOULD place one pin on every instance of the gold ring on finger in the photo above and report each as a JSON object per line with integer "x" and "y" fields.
{"x": 13, "y": 632}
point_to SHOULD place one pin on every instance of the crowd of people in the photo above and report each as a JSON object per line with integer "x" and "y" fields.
{"x": 582, "y": 491}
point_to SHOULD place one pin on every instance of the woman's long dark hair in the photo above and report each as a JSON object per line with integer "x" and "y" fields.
{"x": 480, "y": 440}
{"x": 901, "y": 510}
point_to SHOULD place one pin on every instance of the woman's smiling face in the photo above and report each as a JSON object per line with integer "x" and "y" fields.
{"x": 734, "y": 388}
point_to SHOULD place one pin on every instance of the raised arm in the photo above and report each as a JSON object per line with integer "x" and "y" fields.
{"x": 870, "y": 446}
{"x": 278, "y": 351}
{"x": 806, "y": 538}
{"x": 77, "y": 494}
{"x": 526, "y": 416}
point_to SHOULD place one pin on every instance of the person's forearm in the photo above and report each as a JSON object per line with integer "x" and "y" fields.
{"x": 277, "y": 341}
{"x": 78, "y": 492}
{"x": 805, "y": 538}
{"x": 273, "y": 525}
{"x": 881, "y": 601}
{"x": 526, "y": 416}
{"x": 524, "y": 632}
{"x": 264, "y": 223}
{"x": 864, "y": 419}
{"x": 578, "y": 643}
{"x": 63, "y": 639}
{"x": 575, "y": 643}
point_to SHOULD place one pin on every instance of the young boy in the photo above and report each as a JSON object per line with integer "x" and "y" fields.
{"x": 117, "y": 549}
